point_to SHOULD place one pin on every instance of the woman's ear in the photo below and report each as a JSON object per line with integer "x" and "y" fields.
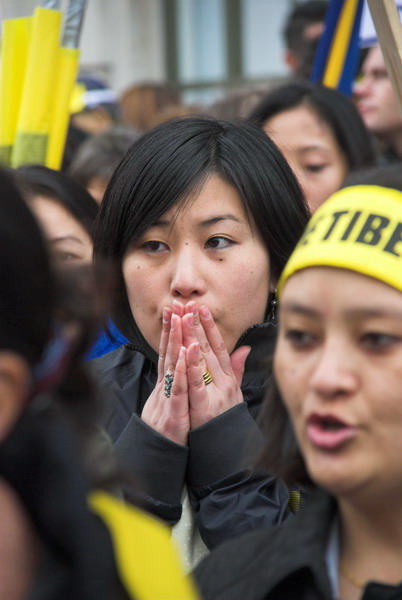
{"x": 15, "y": 380}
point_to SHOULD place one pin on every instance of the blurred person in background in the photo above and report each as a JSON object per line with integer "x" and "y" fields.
{"x": 97, "y": 158}
{"x": 237, "y": 103}
{"x": 94, "y": 105}
{"x": 140, "y": 103}
{"x": 378, "y": 105}
{"x": 66, "y": 213}
{"x": 302, "y": 31}
{"x": 320, "y": 133}
{"x": 61, "y": 535}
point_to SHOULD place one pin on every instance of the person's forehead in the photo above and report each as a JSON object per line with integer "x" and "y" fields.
{"x": 313, "y": 31}
{"x": 374, "y": 60}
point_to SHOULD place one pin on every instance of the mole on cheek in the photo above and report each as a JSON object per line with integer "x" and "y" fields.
{"x": 138, "y": 267}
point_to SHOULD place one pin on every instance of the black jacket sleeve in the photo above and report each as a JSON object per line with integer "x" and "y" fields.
{"x": 158, "y": 463}
{"x": 228, "y": 497}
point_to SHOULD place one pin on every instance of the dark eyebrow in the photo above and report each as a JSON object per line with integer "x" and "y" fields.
{"x": 206, "y": 223}
{"x": 381, "y": 312}
{"x": 312, "y": 148}
{"x": 219, "y": 218}
{"x": 299, "y": 309}
{"x": 352, "y": 314}
{"x": 70, "y": 238}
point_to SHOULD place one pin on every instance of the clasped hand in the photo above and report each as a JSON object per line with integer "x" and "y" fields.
{"x": 191, "y": 344}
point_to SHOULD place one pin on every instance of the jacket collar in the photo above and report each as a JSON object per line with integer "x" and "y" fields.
{"x": 298, "y": 546}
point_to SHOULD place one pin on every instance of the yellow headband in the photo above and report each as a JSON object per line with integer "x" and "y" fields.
{"x": 358, "y": 228}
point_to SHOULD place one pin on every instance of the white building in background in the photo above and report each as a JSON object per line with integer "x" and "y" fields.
{"x": 203, "y": 47}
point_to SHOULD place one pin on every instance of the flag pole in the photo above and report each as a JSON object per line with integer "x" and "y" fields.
{"x": 389, "y": 32}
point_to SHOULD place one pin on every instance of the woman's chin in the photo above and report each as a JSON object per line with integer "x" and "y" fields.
{"x": 338, "y": 478}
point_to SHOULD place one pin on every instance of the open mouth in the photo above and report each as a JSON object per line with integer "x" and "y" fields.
{"x": 328, "y": 432}
{"x": 327, "y": 423}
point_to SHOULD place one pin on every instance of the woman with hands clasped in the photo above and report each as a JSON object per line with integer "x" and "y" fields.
{"x": 192, "y": 348}
{"x": 200, "y": 217}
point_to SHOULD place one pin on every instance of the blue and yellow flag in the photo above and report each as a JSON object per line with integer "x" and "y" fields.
{"x": 336, "y": 60}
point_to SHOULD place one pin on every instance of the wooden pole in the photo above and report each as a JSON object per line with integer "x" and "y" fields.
{"x": 389, "y": 32}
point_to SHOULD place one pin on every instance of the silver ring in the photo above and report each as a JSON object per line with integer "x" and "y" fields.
{"x": 168, "y": 383}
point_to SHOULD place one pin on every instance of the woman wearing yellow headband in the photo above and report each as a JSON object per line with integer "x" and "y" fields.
{"x": 338, "y": 370}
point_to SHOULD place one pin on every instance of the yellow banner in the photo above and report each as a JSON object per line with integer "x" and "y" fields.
{"x": 34, "y": 116}
{"x": 67, "y": 68}
{"x": 14, "y": 51}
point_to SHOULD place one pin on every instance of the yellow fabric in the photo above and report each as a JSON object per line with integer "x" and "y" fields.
{"x": 358, "y": 228}
{"x": 146, "y": 560}
{"x": 66, "y": 73}
{"x": 77, "y": 101}
{"x": 14, "y": 50}
{"x": 34, "y": 115}
{"x": 340, "y": 44}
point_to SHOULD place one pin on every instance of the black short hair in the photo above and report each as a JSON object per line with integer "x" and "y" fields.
{"x": 164, "y": 166}
{"x": 302, "y": 15}
{"x": 36, "y": 180}
{"x": 333, "y": 107}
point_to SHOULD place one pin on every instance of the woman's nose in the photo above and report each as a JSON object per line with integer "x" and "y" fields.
{"x": 361, "y": 87}
{"x": 187, "y": 277}
{"x": 334, "y": 374}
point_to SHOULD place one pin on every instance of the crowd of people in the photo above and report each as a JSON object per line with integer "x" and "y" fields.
{"x": 201, "y": 346}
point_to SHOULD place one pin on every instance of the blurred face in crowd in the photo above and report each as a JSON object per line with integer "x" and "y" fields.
{"x": 338, "y": 365}
{"x": 97, "y": 187}
{"x": 208, "y": 252}
{"x": 19, "y": 546}
{"x": 68, "y": 240}
{"x": 311, "y": 149}
{"x": 375, "y": 97}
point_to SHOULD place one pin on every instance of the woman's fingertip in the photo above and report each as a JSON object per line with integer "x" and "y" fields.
{"x": 205, "y": 314}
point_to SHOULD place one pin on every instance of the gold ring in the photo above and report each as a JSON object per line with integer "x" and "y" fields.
{"x": 207, "y": 377}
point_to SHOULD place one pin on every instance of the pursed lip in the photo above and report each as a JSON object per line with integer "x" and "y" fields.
{"x": 364, "y": 108}
{"x": 329, "y": 432}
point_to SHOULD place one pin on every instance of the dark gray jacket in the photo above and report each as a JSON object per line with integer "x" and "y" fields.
{"x": 227, "y": 498}
{"x": 285, "y": 563}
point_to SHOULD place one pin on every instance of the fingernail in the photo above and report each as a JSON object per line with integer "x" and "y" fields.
{"x": 190, "y": 319}
{"x": 182, "y": 353}
{"x": 165, "y": 315}
{"x": 173, "y": 322}
{"x": 195, "y": 310}
{"x": 204, "y": 312}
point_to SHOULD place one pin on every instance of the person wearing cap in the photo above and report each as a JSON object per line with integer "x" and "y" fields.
{"x": 333, "y": 416}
